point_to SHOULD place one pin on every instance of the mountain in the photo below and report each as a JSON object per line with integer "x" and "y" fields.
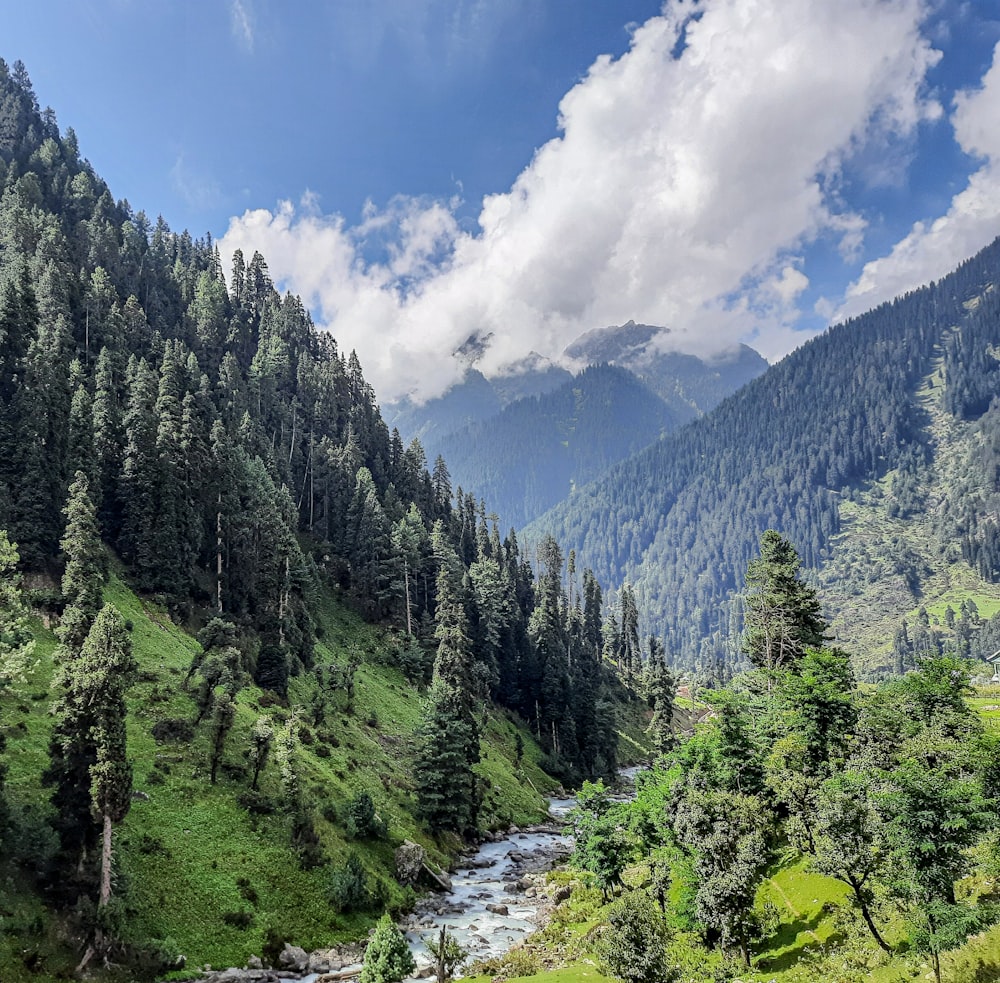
{"x": 471, "y": 401}
{"x": 689, "y": 385}
{"x": 536, "y": 450}
{"x": 524, "y": 440}
{"x": 894, "y": 405}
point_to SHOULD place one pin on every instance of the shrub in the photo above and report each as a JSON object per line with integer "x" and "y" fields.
{"x": 633, "y": 946}
{"x": 388, "y": 958}
{"x": 362, "y": 821}
{"x": 349, "y": 886}
{"x": 247, "y": 891}
{"x": 172, "y": 729}
{"x": 238, "y": 919}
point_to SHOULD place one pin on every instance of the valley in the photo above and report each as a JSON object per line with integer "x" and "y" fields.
{"x": 271, "y": 671}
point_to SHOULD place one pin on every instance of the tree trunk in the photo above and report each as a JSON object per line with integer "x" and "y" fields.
{"x": 218, "y": 555}
{"x": 867, "y": 915}
{"x": 406, "y": 574}
{"x": 105, "y": 895}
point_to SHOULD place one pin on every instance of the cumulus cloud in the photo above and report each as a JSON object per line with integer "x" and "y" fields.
{"x": 972, "y": 219}
{"x": 687, "y": 176}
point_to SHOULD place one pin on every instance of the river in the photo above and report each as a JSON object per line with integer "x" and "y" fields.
{"x": 495, "y": 875}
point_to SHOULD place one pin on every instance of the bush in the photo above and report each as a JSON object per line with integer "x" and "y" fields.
{"x": 257, "y": 803}
{"x": 172, "y": 729}
{"x": 247, "y": 891}
{"x": 633, "y": 946}
{"x": 349, "y": 886}
{"x": 362, "y": 821}
{"x": 238, "y": 919}
{"x": 388, "y": 958}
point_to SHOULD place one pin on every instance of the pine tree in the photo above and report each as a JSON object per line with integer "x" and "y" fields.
{"x": 387, "y": 958}
{"x": 449, "y": 734}
{"x": 71, "y": 749}
{"x": 782, "y": 613}
{"x": 83, "y": 577}
{"x": 99, "y": 679}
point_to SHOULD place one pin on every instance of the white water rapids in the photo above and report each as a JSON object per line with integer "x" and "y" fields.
{"x": 491, "y": 876}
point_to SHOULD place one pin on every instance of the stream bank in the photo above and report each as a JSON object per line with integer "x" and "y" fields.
{"x": 498, "y": 898}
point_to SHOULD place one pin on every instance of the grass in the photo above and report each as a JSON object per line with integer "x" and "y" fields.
{"x": 188, "y": 852}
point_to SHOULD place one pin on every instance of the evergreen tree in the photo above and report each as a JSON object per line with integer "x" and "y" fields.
{"x": 83, "y": 577}
{"x": 99, "y": 679}
{"x": 449, "y": 734}
{"x": 387, "y": 957}
{"x": 782, "y": 613}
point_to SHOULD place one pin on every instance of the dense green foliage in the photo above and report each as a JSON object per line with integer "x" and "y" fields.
{"x": 387, "y": 958}
{"x": 891, "y": 790}
{"x": 236, "y": 459}
{"x": 193, "y": 431}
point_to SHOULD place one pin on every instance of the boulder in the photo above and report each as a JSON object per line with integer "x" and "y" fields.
{"x": 410, "y": 859}
{"x": 293, "y": 957}
{"x": 498, "y": 909}
{"x": 319, "y": 962}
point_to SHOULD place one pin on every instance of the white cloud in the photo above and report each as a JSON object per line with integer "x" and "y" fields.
{"x": 679, "y": 193}
{"x": 241, "y": 22}
{"x": 971, "y": 222}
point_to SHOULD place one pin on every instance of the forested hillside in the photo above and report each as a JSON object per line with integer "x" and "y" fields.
{"x": 524, "y": 441}
{"x": 199, "y": 436}
{"x": 680, "y": 520}
{"x": 533, "y": 453}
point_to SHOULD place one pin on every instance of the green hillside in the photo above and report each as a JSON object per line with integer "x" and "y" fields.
{"x": 897, "y": 551}
{"x": 207, "y": 870}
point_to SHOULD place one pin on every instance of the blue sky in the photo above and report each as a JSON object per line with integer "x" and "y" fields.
{"x": 525, "y": 170}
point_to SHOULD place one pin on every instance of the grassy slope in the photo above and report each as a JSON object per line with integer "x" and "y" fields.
{"x": 182, "y": 851}
{"x": 865, "y": 582}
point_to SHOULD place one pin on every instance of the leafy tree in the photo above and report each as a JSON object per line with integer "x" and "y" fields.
{"x": 727, "y": 836}
{"x": 850, "y": 840}
{"x": 387, "y": 958}
{"x": 261, "y": 742}
{"x": 633, "y": 944}
{"x": 448, "y": 954}
{"x": 603, "y": 849}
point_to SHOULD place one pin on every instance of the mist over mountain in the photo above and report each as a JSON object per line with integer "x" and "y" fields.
{"x": 523, "y": 441}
